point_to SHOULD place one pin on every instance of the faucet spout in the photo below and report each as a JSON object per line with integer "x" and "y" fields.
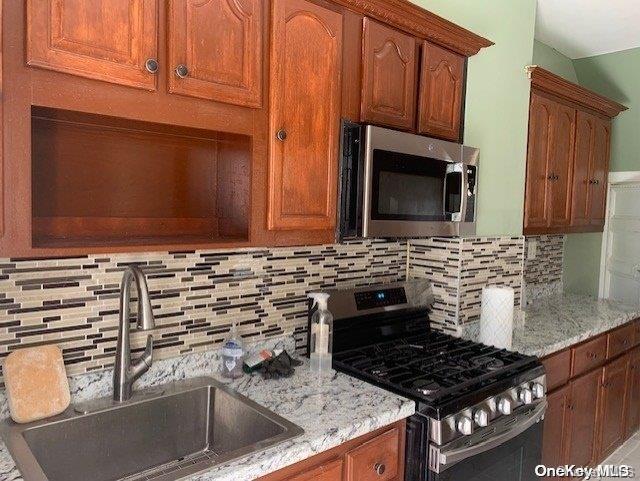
{"x": 127, "y": 371}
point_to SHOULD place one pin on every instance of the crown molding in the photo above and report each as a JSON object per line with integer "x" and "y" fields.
{"x": 419, "y": 22}
{"x": 549, "y": 82}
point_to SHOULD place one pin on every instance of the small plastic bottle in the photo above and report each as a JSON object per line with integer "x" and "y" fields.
{"x": 232, "y": 355}
{"x": 321, "y": 342}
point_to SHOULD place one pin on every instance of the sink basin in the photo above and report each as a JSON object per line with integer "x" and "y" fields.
{"x": 161, "y": 434}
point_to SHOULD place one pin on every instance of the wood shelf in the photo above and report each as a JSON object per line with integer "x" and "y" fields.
{"x": 103, "y": 181}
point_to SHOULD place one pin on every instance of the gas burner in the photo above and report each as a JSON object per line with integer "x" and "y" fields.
{"x": 426, "y": 387}
{"x": 489, "y": 363}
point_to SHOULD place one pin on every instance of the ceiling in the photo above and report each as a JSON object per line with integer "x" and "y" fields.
{"x": 583, "y": 28}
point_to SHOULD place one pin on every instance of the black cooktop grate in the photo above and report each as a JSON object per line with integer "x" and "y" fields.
{"x": 432, "y": 366}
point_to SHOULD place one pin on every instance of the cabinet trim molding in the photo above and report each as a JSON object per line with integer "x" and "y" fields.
{"x": 554, "y": 84}
{"x": 421, "y": 23}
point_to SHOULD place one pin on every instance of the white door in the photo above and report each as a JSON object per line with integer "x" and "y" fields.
{"x": 621, "y": 244}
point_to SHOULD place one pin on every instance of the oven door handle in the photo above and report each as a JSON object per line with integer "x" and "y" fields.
{"x": 448, "y": 459}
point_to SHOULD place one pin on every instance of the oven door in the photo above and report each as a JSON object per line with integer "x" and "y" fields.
{"x": 414, "y": 186}
{"x": 510, "y": 450}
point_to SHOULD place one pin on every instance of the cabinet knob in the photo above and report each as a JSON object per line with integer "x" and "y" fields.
{"x": 151, "y": 65}
{"x": 281, "y": 135}
{"x": 182, "y": 71}
{"x": 596, "y": 181}
{"x": 379, "y": 468}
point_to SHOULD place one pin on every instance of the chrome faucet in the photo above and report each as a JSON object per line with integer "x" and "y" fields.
{"x": 126, "y": 372}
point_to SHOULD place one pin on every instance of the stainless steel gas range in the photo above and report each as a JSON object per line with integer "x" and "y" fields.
{"x": 479, "y": 409}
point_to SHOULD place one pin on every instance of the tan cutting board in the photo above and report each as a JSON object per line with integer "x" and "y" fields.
{"x": 36, "y": 382}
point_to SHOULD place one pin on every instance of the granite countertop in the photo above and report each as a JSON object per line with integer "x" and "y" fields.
{"x": 556, "y": 322}
{"x": 331, "y": 411}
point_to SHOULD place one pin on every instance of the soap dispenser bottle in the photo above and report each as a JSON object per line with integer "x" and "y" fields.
{"x": 321, "y": 342}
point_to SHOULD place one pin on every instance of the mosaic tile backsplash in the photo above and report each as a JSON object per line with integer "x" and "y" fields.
{"x": 543, "y": 275}
{"x": 73, "y": 302}
{"x": 460, "y": 267}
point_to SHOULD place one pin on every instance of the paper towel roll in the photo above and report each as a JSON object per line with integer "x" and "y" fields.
{"x": 496, "y": 316}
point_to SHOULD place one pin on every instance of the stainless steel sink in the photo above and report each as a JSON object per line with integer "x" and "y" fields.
{"x": 163, "y": 433}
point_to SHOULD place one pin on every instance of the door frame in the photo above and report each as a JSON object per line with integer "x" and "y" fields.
{"x": 615, "y": 178}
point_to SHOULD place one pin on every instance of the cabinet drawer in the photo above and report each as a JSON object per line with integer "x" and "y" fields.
{"x": 327, "y": 472}
{"x": 620, "y": 340}
{"x": 375, "y": 460}
{"x": 588, "y": 355}
{"x": 558, "y": 368}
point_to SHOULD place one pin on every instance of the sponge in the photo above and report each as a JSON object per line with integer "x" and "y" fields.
{"x": 36, "y": 381}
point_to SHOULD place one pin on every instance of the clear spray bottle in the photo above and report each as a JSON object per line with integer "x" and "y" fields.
{"x": 321, "y": 342}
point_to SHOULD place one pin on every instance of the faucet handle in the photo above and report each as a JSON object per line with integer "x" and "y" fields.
{"x": 142, "y": 365}
{"x": 147, "y": 355}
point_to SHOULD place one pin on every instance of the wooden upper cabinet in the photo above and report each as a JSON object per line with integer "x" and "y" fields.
{"x": 306, "y": 62}
{"x": 388, "y": 76}
{"x": 541, "y": 114}
{"x": 599, "y": 172}
{"x": 109, "y": 40}
{"x": 570, "y": 141}
{"x": 549, "y": 163}
{"x": 561, "y": 165}
{"x": 215, "y": 50}
{"x": 442, "y": 77}
{"x": 591, "y": 167}
{"x": 585, "y": 137}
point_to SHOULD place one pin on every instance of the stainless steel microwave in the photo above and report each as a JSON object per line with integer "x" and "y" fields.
{"x": 397, "y": 184}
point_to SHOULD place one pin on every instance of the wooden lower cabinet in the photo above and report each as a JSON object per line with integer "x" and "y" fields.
{"x": 582, "y": 419}
{"x": 375, "y": 456}
{"x": 633, "y": 397}
{"x": 554, "y": 440}
{"x": 331, "y": 471}
{"x": 594, "y": 412}
{"x": 612, "y": 415}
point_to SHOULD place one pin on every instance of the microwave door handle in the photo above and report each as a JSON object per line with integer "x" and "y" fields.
{"x": 456, "y": 215}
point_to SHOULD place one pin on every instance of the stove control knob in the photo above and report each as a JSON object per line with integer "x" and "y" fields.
{"x": 538, "y": 390}
{"x": 465, "y": 425}
{"x": 481, "y": 417}
{"x": 525, "y": 395}
{"x": 505, "y": 406}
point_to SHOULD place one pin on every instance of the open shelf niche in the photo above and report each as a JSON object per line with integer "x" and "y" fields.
{"x": 105, "y": 181}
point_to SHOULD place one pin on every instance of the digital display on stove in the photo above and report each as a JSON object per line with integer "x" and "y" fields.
{"x": 380, "y": 298}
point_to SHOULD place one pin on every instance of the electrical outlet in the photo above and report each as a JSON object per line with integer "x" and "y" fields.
{"x": 532, "y": 249}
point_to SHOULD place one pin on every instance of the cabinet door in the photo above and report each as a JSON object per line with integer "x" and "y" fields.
{"x": 219, "y": 42}
{"x": 561, "y": 165}
{"x": 388, "y": 76}
{"x": 441, "y": 90}
{"x": 555, "y": 427}
{"x": 541, "y": 114}
{"x": 585, "y": 137}
{"x": 306, "y": 48}
{"x": 327, "y": 472}
{"x": 633, "y": 403}
{"x": 599, "y": 171}
{"x": 613, "y": 395}
{"x": 108, "y": 40}
{"x": 582, "y": 420}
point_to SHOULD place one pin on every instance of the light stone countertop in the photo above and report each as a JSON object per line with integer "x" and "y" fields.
{"x": 556, "y": 322}
{"x": 331, "y": 411}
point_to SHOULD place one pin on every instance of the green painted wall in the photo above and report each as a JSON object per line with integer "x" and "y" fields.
{"x": 552, "y": 60}
{"x": 497, "y": 103}
{"x": 581, "y": 268}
